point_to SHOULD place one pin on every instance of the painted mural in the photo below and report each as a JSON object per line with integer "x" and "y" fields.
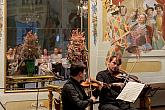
{"x": 94, "y": 20}
{"x": 133, "y": 28}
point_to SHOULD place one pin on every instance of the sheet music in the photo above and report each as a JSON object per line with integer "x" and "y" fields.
{"x": 131, "y": 91}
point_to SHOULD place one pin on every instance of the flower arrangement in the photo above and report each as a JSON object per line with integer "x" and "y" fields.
{"x": 29, "y": 51}
{"x": 77, "y": 51}
{"x": 30, "y": 47}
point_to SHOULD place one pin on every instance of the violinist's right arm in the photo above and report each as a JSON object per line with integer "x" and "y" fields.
{"x": 107, "y": 83}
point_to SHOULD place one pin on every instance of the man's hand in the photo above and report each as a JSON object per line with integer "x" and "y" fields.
{"x": 93, "y": 98}
{"x": 101, "y": 84}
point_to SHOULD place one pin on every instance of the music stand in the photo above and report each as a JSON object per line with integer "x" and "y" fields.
{"x": 145, "y": 101}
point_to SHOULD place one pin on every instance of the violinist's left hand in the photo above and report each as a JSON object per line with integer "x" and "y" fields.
{"x": 119, "y": 84}
{"x": 99, "y": 83}
{"x": 93, "y": 98}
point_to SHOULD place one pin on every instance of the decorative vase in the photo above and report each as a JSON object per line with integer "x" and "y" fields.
{"x": 30, "y": 66}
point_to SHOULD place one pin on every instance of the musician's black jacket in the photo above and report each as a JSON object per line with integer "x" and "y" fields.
{"x": 108, "y": 95}
{"x": 74, "y": 96}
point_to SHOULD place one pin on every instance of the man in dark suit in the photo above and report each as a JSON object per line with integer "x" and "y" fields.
{"x": 73, "y": 94}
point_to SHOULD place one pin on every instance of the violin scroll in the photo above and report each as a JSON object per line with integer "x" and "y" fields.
{"x": 125, "y": 77}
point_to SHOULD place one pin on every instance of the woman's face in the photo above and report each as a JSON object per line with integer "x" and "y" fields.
{"x": 55, "y": 51}
{"x": 159, "y": 10}
{"x": 45, "y": 51}
{"x": 123, "y": 11}
{"x": 10, "y": 51}
{"x": 150, "y": 12}
{"x": 141, "y": 19}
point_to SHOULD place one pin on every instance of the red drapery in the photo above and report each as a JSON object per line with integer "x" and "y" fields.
{"x": 116, "y": 2}
{"x": 162, "y": 2}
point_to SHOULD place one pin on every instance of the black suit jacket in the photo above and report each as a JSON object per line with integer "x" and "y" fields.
{"x": 74, "y": 96}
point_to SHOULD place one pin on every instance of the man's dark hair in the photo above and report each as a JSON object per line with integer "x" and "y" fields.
{"x": 118, "y": 60}
{"x": 76, "y": 68}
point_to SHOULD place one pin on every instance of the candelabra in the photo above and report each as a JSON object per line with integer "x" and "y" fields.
{"x": 82, "y": 11}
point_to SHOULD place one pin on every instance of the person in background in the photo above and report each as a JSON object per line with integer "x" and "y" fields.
{"x": 159, "y": 17}
{"x": 156, "y": 36}
{"x": 10, "y": 54}
{"x": 56, "y": 56}
{"x": 57, "y": 62}
{"x": 66, "y": 65}
{"x": 139, "y": 36}
{"x": 45, "y": 66}
{"x": 45, "y": 55}
{"x": 150, "y": 22}
{"x": 158, "y": 39}
{"x": 11, "y": 62}
{"x": 109, "y": 92}
{"x": 73, "y": 94}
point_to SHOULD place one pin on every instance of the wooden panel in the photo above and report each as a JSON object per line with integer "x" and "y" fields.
{"x": 142, "y": 66}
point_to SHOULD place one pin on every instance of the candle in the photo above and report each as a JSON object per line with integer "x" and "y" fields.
{"x": 119, "y": 3}
{"x": 111, "y": 2}
{"x": 78, "y": 7}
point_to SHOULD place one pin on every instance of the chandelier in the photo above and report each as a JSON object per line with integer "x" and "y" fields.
{"x": 30, "y": 13}
{"x": 32, "y": 17}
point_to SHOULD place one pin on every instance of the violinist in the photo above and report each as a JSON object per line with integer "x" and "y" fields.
{"x": 73, "y": 94}
{"x": 108, "y": 94}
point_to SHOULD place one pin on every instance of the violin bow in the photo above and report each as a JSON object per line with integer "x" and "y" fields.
{"x": 132, "y": 68}
{"x": 89, "y": 78}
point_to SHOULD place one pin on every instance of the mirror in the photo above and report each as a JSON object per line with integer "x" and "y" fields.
{"x": 38, "y": 32}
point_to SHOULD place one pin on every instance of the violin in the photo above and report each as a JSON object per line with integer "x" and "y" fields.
{"x": 93, "y": 83}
